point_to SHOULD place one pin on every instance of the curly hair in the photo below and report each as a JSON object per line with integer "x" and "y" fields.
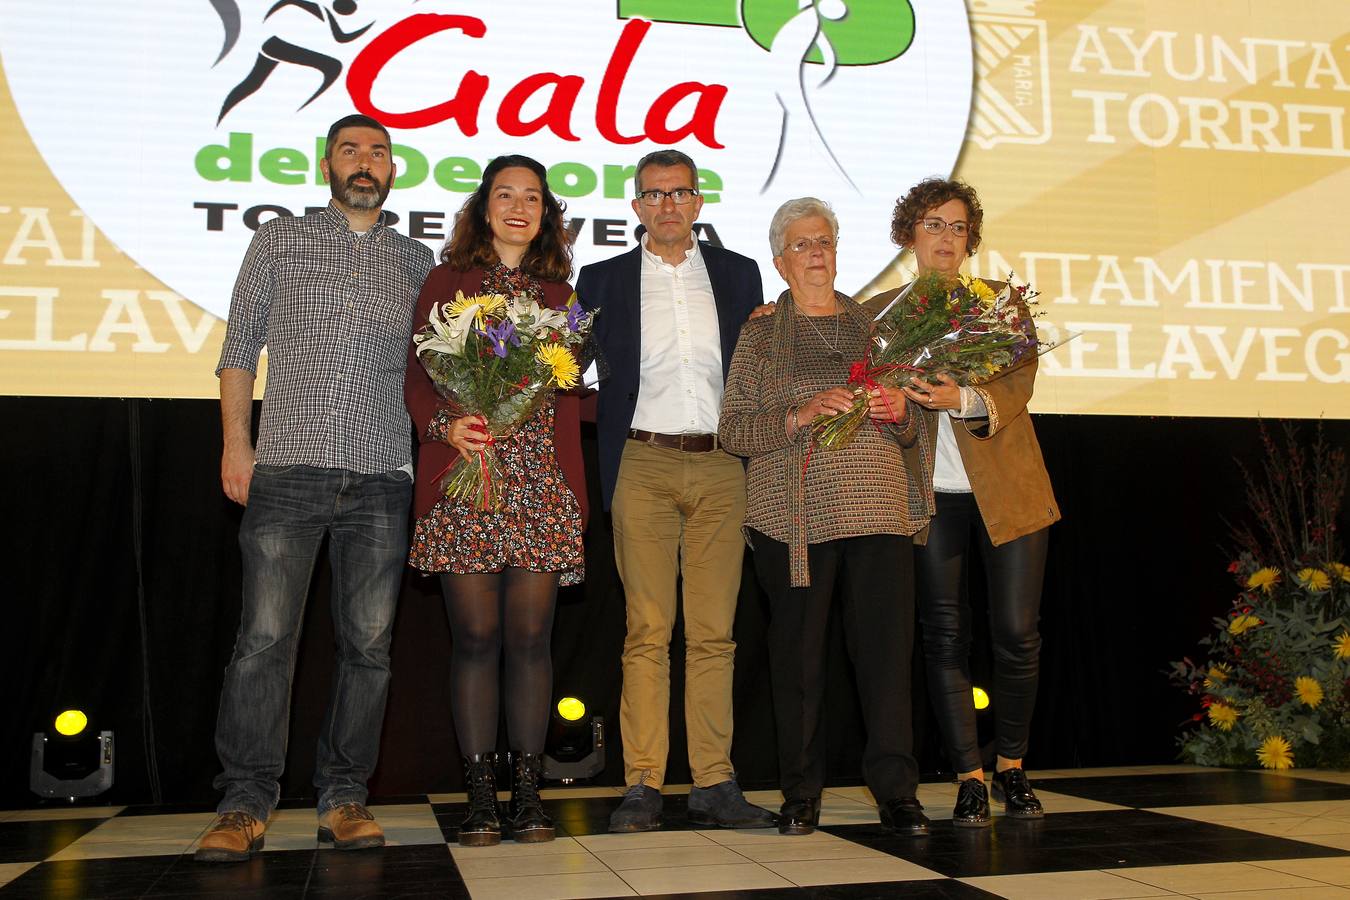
{"x": 926, "y": 196}
{"x": 549, "y": 256}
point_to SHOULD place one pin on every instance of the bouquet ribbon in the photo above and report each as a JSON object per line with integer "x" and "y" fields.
{"x": 863, "y": 376}
{"x": 484, "y": 472}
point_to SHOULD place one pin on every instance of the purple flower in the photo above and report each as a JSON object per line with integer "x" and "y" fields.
{"x": 574, "y": 316}
{"x": 501, "y": 334}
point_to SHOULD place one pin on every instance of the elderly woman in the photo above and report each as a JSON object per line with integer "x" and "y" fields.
{"x": 500, "y": 569}
{"x": 834, "y": 531}
{"x": 991, "y": 488}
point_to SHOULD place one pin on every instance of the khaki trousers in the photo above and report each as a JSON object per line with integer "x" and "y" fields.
{"x": 678, "y": 514}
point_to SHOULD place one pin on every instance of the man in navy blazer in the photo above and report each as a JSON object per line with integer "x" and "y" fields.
{"x": 671, "y": 310}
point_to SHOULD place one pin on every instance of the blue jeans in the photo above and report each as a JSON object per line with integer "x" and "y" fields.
{"x": 289, "y": 511}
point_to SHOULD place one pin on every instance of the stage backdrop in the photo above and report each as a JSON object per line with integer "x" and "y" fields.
{"x": 1171, "y": 176}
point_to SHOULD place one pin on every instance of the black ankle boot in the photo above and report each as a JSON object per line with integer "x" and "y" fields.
{"x": 481, "y": 826}
{"x": 529, "y": 823}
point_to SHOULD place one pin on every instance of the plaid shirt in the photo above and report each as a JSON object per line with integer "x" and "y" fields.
{"x": 334, "y": 309}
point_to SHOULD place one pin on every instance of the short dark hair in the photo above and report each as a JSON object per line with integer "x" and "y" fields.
{"x": 549, "y": 256}
{"x": 355, "y": 120}
{"x": 667, "y": 157}
{"x": 928, "y": 195}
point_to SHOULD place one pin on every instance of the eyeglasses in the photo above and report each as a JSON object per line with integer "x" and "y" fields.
{"x": 679, "y": 196}
{"x": 827, "y": 244}
{"x": 934, "y": 225}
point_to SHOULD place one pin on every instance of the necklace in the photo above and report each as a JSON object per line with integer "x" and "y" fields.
{"x": 836, "y": 355}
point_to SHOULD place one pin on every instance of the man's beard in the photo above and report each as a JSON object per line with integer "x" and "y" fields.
{"x": 361, "y": 196}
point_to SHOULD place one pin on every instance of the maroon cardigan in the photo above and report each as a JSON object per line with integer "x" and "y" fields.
{"x": 433, "y": 457}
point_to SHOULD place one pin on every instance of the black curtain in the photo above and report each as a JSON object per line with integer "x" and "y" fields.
{"x": 122, "y": 584}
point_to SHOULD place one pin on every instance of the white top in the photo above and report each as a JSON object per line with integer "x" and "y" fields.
{"x": 680, "y": 383}
{"x": 949, "y": 472}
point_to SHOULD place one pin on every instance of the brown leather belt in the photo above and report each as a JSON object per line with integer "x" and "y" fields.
{"x": 689, "y": 443}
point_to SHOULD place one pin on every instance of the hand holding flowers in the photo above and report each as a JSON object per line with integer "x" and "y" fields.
{"x": 495, "y": 363}
{"x": 941, "y": 334}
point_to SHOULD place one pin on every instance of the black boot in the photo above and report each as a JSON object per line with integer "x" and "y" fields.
{"x": 481, "y": 826}
{"x": 529, "y": 824}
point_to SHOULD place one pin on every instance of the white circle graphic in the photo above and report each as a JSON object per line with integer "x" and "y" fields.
{"x": 124, "y": 102}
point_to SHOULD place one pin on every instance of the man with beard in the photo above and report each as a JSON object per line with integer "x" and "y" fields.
{"x": 331, "y": 296}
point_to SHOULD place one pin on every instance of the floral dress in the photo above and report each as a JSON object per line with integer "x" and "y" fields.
{"x": 538, "y": 523}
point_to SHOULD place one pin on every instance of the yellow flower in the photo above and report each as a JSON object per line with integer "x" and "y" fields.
{"x": 1308, "y": 690}
{"x": 1275, "y": 753}
{"x": 983, "y": 292}
{"x": 1265, "y": 579}
{"x": 1217, "y": 674}
{"x": 560, "y": 360}
{"x": 1223, "y": 716}
{"x": 487, "y": 305}
{"x": 1340, "y": 570}
{"x": 1313, "y": 579}
{"x": 1342, "y": 645}
{"x": 1243, "y": 623}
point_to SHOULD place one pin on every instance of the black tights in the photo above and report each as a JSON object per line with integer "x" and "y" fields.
{"x": 1015, "y": 572}
{"x": 511, "y": 610}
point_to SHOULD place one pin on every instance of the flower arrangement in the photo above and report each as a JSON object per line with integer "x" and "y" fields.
{"x": 501, "y": 361}
{"x": 1275, "y": 687}
{"x": 958, "y": 326}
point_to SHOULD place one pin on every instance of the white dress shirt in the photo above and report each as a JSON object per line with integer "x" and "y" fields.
{"x": 680, "y": 383}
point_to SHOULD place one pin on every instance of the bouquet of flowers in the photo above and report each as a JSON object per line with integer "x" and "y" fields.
{"x": 500, "y": 361}
{"x": 1273, "y": 685}
{"x": 957, "y": 326}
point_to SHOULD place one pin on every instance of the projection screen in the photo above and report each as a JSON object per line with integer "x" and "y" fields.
{"x": 1172, "y": 177}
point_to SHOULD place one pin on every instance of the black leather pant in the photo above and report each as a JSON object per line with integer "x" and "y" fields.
{"x": 1015, "y": 571}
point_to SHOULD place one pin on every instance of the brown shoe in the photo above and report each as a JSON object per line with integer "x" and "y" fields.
{"x": 232, "y": 837}
{"x": 350, "y": 827}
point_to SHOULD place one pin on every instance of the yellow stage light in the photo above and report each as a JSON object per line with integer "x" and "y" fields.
{"x": 981, "y": 698}
{"x": 71, "y": 722}
{"x": 571, "y": 709}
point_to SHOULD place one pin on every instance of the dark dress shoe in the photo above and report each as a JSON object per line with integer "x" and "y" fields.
{"x": 724, "y": 806}
{"x": 972, "y": 805}
{"x": 799, "y": 816}
{"x": 904, "y": 815}
{"x": 1012, "y": 789}
{"x": 639, "y": 811}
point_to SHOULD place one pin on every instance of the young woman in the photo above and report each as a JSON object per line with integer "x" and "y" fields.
{"x": 500, "y": 569}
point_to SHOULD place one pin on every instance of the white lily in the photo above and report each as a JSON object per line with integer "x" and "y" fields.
{"x": 536, "y": 318}
{"x": 448, "y": 334}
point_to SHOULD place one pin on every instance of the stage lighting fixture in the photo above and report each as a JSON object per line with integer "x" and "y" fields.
{"x": 71, "y": 761}
{"x": 981, "y": 697}
{"x": 575, "y": 747}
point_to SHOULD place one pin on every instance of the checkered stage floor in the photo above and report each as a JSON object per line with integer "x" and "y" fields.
{"x": 1159, "y": 831}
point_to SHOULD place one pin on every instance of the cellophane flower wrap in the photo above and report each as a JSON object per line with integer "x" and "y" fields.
{"x": 501, "y": 361}
{"x": 944, "y": 325}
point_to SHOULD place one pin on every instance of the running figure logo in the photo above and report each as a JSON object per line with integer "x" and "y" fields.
{"x": 807, "y": 41}
{"x": 276, "y": 50}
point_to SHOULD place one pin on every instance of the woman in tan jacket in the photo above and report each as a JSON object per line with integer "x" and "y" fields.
{"x": 990, "y": 489}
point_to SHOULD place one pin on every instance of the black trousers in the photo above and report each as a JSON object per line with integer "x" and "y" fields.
{"x": 1015, "y": 572}
{"x": 871, "y": 578}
